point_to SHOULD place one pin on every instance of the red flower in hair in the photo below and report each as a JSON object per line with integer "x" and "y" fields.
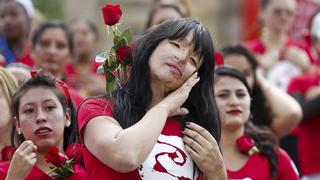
{"x": 55, "y": 158}
{"x": 75, "y": 151}
{"x": 111, "y": 14}
{"x": 246, "y": 145}
{"x": 219, "y": 60}
{"x": 7, "y": 153}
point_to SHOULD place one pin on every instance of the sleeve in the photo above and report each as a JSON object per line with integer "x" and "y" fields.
{"x": 92, "y": 108}
{"x": 295, "y": 86}
{"x": 4, "y": 166}
{"x": 286, "y": 167}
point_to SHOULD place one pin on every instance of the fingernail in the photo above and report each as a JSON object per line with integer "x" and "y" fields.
{"x": 188, "y": 123}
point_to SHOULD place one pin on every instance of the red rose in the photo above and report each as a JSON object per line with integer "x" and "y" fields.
{"x": 7, "y": 153}
{"x": 218, "y": 58}
{"x": 246, "y": 145}
{"x": 75, "y": 151}
{"x": 123, "y": 54}
{"x": 111, "y": 14}
{"x": 55, "y": 158}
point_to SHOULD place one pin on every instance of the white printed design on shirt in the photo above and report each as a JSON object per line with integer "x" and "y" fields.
{"x": 168, "y": 160}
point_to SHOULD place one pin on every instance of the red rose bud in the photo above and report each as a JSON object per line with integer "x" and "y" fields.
{"x": 219, "y": 60}
{"x": 246, "y": 144}
{"x": 75, "y": 151}
{"x": 7, "y": 153}
{"x": 111, "y": 14}
{"x": 55, "y": 158}
{"x": 123, "y": 54}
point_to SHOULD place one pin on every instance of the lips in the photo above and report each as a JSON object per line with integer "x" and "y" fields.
{"x": 175, "y": 68}
{"x": 43, "y": 131}
{"x": 234, "y": 112}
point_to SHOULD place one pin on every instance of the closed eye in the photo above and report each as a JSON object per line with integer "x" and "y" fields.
{"x": 175, "y": 44}
{"x": 194, "y": 62}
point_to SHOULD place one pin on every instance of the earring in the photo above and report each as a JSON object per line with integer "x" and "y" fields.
{"x": 68, "y": 123}
{"x": 19, "y": 131}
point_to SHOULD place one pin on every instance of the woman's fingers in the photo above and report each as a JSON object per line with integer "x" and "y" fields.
{"x": 180, "y": 112}
{"x": 203, "y": 132}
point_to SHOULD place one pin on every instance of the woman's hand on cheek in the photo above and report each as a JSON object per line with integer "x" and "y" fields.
{"x": 175, "y": 99}
{"x": 22, "y": 161}
{"x": 204, "y": 151}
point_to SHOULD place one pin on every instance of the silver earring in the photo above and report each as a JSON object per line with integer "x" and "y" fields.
{"x": 68, "y": 123}
{"x": 19, "y": 131}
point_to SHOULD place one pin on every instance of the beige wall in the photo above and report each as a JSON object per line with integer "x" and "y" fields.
{"x": 218, "y": 15}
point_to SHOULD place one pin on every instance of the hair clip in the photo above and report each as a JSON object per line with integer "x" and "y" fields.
{"x": 64, "y": 89}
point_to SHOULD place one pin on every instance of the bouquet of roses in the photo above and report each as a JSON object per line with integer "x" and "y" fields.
{"x": 63, "y": 164}
{"x": 117, "y": 59}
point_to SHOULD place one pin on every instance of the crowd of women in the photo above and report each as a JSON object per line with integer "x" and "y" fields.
{"x": 180, "y": 115}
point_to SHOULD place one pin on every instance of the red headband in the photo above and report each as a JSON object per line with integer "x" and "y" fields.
{"x": 63, "y": 87}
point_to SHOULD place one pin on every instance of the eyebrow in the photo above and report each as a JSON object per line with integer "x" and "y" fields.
{"x": 45, "y": 101}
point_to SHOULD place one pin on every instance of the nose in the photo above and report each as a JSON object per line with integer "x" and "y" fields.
{"x": 41, "y": 116}
{"x": 52, "y": 49}
{"x": 233, "y": 100}
{"x": 182, "y": 55}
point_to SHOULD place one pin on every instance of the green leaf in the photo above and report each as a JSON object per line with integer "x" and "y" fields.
{"x": 102, "y": 57}
{"x": 127, "y": 34}
{"x": 119, "y": 44}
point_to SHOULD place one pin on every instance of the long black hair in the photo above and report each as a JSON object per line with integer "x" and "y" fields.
{"x": 131, "y": 101}
{"x": 259, "y": 103}
{"x": 71, "y": 134}
{"x": 262, "y": 135}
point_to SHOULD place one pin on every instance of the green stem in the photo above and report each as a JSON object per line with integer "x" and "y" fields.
{"x": 52, "y": 170}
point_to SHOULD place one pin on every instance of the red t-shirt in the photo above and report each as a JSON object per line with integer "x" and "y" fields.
{"x": 36, "y": 173}
{"x": 307, "y": 132}
{"x": 258, "y": 168}
{"x": 167, "y": 160}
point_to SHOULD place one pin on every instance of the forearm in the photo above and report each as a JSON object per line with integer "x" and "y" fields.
{"x": 141, "y": 137}
{"x": 125, "y": 149}
{"x": 285, "y": 109}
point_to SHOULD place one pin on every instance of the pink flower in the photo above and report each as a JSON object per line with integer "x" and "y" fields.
{"x": 55, "y": 158}
{"x": 111, "y": 14}
{"x": 246, "y": 145}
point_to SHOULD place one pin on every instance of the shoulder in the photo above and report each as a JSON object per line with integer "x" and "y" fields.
{"x": 93, "y": 107}
{"x": 255, "y": 45}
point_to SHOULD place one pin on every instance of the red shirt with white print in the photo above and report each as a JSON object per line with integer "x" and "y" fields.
{"x": 167, "y": 160}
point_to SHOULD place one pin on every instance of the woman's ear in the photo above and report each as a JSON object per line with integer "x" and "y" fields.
{"x": 17, "y": 124}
